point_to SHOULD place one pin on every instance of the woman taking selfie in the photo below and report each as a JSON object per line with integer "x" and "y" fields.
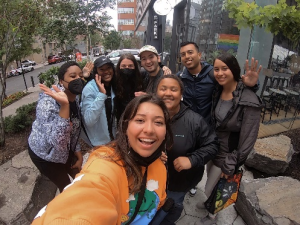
{"x": 123, "y": 182}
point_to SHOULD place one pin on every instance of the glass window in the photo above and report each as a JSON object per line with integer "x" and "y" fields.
{"x": 125, "y": 10}
{"x": 126, "y": 22}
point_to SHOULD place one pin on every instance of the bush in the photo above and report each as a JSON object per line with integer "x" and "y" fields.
{"x": 12, "y": 98}
{"x": 49, "y": 77}
{"x": 82, "y": 63}
{"x": 23, "y": 119}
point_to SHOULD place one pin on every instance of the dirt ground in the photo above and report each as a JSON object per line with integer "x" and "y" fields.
{"x": 16, "y": 143}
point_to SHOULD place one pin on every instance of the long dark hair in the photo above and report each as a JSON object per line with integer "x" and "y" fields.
{"x": 121, "y": 145}
{"x": 121, "y": 82}
{"x": 232, "y": 64}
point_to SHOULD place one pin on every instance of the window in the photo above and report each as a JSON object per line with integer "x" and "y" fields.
{"x": 125, "y": 10}
{"x": 126, "y": 22}
{"x": 127, "y": 32}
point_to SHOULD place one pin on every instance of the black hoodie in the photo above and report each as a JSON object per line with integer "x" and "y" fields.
{"x": 196, "y": 140}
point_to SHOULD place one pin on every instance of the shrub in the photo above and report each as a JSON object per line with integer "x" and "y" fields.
{"x": 23, "y": 119}
{"x": 49, "y": 77}
{"x": 82, "y": 63}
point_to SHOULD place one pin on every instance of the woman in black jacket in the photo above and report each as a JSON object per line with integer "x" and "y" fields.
{"x": 194, "y": 145}
{"x": 235, "y": 116}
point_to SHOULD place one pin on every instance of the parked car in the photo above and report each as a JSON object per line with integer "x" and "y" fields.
{"x": 54, "y": 59}
{"x": 15, "y": 72}
{"x": 28, "y": 62}
{"x": 27, "y": 68}
{"x": 114, "y": 56}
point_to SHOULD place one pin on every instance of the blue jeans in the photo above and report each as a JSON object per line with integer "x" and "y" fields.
{"x": 174, "y": 213}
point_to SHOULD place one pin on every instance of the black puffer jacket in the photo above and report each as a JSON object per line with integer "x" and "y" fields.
{"x": 238, "y": 131}
{"x": 196, "y": 140}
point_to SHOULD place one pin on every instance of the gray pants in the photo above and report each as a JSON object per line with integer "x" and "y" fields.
{"x": 213, "y": 176}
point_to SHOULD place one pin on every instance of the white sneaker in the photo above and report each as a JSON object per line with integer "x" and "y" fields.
{"x": 193, "y": 192}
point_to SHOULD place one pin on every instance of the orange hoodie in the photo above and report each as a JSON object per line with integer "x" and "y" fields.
{"x": 99, "y": 195}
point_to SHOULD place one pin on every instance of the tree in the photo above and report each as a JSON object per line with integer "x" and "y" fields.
{"x": 127, "y": 42}
{"x": 279, "y": 18}
{"x": 167, "y": 42}
{"x": 68, "y": 19}
{"x": 112, "y": 40}
{"x": 19, "y": 21}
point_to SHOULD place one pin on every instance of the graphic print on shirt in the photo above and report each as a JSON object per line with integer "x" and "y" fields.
{"x": 149, "y": 205}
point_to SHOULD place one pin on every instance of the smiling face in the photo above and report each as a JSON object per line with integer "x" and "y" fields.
{"x": 149, "y": 61}
{"x": 147, "y": 129}
{"x": 106, "y": 72}
{"x": 169, "y": 91}
{"x": 222, "y": 73}
{"x": 190, "y": 58}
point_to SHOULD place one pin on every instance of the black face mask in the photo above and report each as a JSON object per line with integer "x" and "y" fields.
{"x": 128, "y": 73}
{"x": 76, "y": 86}
{"x": 146, "y": 161}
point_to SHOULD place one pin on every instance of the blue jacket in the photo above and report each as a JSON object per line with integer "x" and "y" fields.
{"x": 52, "y": 137}
{"x": 94, "y": 115}
{"x": 198, "y": 91}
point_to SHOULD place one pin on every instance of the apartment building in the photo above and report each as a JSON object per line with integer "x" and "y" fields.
{"x": 126, "y": 16}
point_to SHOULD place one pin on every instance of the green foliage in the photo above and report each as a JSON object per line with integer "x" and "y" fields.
{"x": 68, "y": 19}
{"x": 279, "y": 18}
{"x": 12, "y": 98}
{"x": 112, "y": 40}
{"x": 82, "y": 63}
{"x": 127, "y": 43}
{"x": 23, "y": 119}
{"x": 167, "y": 42}
{"x": 49, "y": 77}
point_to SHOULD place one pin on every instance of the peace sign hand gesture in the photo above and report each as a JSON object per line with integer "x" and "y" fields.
{"x": 251, "y": 76}
{"x": 99, "y": 84}
{"x": 57, "y": 94}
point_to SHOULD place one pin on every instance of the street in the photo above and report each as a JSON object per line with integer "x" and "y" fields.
{"x": 16, "y": 83}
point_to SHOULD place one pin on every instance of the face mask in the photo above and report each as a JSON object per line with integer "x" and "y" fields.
{"x": 127, "y": 72}
{"x": 76, "y": 86}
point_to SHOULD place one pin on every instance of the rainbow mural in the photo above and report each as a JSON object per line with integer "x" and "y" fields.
{"x": 228, "y": 41}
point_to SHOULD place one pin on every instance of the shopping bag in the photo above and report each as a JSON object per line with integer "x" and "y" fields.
{"x": 224, "y": 193}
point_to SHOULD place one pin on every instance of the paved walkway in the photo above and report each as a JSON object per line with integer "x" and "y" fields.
{"x": 190, "y": 214}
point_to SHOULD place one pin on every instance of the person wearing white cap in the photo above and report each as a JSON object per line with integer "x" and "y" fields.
{"x": 150, "y": 62}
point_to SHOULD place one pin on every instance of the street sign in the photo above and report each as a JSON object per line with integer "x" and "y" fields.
{"x": 155, "y": 26}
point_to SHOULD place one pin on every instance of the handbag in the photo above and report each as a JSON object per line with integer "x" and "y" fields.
{"x": 224, "y": 193}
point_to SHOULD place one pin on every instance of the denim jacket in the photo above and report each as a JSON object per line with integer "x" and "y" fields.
{"x": 94, "y": 114}
{"x": 52, "y": 137}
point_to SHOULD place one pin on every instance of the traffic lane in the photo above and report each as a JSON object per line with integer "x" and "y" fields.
{"x": 16, "y": 83}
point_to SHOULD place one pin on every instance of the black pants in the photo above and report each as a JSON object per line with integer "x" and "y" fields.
{"x": 56, "y": 172}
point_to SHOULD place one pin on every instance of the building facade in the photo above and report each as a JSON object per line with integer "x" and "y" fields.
{"x": 126, "y": 16}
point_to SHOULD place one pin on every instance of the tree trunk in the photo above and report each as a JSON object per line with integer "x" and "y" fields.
{"x": 2, "y": 94}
